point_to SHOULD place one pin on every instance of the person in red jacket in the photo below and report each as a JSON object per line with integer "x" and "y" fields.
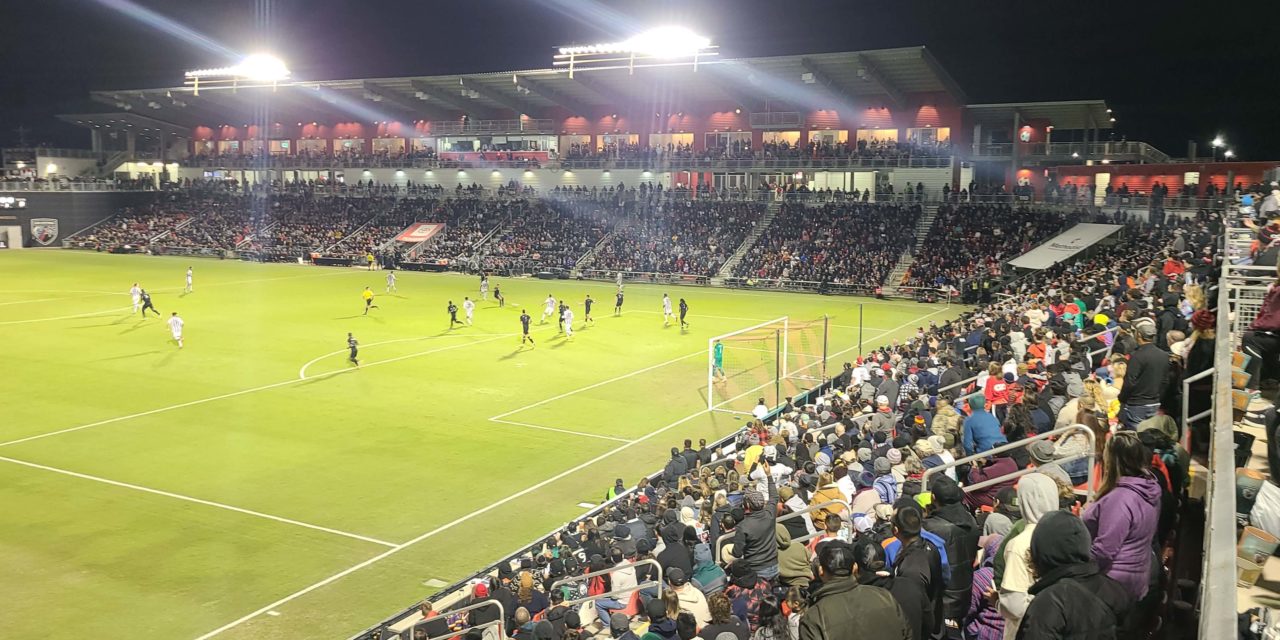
{"x": 1262, "y": 341}
{"x": 996, "y": 390}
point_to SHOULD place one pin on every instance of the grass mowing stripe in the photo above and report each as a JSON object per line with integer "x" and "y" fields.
{"x": 449, "y": 525}
{"x": 208, "y": 503}
{"x": 241, "y": 392}
{"x": 78, "y": 315}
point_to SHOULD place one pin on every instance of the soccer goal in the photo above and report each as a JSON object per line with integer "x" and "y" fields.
{"x": 771, "y": 361}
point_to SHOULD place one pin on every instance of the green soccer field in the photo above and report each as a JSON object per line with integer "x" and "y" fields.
{"x": 255, "y": 485}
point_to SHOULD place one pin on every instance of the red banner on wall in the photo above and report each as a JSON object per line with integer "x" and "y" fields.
{"x": 419, "y": 231}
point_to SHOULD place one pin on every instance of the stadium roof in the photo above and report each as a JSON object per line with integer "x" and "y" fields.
{"x": 845, "y": 80}
{"x": 1070, "y": 114}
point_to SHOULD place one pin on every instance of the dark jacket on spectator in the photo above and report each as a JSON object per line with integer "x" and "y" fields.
{"x": 675, "y": 554}
{"x": 1073, "y": 600}
{"x": 844, "y": 609}
{"x": 959, "y": 532}
{"x": 920, "y": 563}
{"x": 754, "y": 538}
{"x": 1146, "y": 379}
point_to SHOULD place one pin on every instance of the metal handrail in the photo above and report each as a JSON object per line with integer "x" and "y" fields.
{"x": 924, "y": 479}
{"x": 1107, "y": 349}
{"x": 614, "y": 569}
{"x": 502, "y": 616}
{"x": 794, "y": 514}
{"x": 1186, "y": 406}
{"x": 648, "y": 584}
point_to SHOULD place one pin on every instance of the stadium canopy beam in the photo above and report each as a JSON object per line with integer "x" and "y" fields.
{"x": 945, "y": 78}
{"x": 577, "y": 107}
{"x": 466, "y": 106}
{"x": 410, "y": 106}
{"x": 613, "y": 98}
{"x": 188, "y": 116}
{"x": 520, "y": 107}
{"x": 725, "y": 78}
{"x": 871, "y": 73}
{"x": 819, "y": 76}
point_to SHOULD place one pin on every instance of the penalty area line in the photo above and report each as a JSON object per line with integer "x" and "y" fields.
{"x": 207, "y": 503}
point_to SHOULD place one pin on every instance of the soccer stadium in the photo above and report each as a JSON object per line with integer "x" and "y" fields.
{"x": 648, "y": 340}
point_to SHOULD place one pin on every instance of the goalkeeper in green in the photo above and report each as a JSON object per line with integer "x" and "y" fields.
{"x": 717, "y": 361}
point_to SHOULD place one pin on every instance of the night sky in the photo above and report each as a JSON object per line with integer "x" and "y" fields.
{"x": 1172, "y": 71}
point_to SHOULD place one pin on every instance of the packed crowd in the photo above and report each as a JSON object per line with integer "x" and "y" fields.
{"x": 886, "y": 150}
{"x": 848, "y": 513}
{"x": 546, "y": 234}
{"x": 975, "y": 240}
{"x": 693, "y": 237}
{"x": 835, "y": 243}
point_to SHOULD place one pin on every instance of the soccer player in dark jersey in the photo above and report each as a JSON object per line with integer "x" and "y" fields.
{"x": 146, "y": 304}
{"x": 617, "y": 303}
{"x": 453, "y": 314}
{"x": 560, "y": 315}
{"x": 497, "y": 295}
{"x": 684, "y": 308}
{"x": 354, "y": 347}
{"x": 587, "y": 307}
{"x": 525, "y": 319}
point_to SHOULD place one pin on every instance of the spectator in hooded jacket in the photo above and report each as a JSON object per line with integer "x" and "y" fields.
{"x": 953, "y": 522}
{"x": 1122, "y": 520}
{"x": 983, "y": 620}
{"x": 1072, "y": 597}
{"x": 1037, "y": 497}
{"x": 981, "y": 429}
{"x": 842, "y": 608}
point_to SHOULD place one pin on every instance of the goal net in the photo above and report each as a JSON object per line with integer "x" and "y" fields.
{"x": 770, "y": 361}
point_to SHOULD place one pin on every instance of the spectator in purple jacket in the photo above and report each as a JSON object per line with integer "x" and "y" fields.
{"x": 1122, "y": 521}
{"x": 983, "y": 621}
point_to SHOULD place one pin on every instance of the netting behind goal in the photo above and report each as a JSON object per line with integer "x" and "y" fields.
{"x": 770, "y": 361}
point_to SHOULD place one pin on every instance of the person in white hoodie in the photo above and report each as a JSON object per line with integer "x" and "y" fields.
{"x": 1037, "y": 496}
{"x": 1018, "y": 342}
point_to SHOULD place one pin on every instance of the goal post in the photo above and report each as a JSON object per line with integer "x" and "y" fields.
{"x": 770, "y": 360}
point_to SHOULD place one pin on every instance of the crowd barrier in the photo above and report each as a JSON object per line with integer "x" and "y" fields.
{"x": 1091, "y": 485}
{"x": 719, "y": 548}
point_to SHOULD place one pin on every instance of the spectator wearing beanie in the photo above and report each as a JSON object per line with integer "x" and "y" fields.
{"x": 842, "y": 608}
{"x": 661, "y": 627}
{"x": 620, "y": 628}
{"x": 753, "y": 539}
{"x": 954, "y": 523}
{"x": 1072, "y": 598}
{"x": 745, "y": 591}
{"x": 981, "y": 429}
{"x": 1147, "y": 378}
{"x": 918, "y": 561}
{"x": 1037, "y": 497}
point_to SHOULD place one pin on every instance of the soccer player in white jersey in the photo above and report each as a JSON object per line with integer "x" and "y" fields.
{"x": 619, "y": 280}
{"x": 188, "y": 289}
{"x": 469, "y": 307}
{"x": 666, "y": 310}
{"x": 548, "y": 309}
{"x": 135, "y": 292}
{"x": 567, "y": 317}
{"x": 391, "y": 282}
{"x": 175, "y": 327}
{"x": 484, "y": 286}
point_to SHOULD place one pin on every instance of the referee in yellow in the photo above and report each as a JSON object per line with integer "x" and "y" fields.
{"x": 368, "y": 300}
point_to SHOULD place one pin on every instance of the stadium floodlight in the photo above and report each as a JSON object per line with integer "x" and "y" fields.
{"x": 257, "y": 67}
{"x": 1229, "y": 154}
{"x": 1218, "y": 141}
{"x": 663, "y": 43}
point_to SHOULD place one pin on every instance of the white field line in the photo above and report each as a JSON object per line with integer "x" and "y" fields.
{"x": 95, "y": 295}
{"x": 713, "y": 317}
{"x": 93, "y": 291}
{"x": 449, "y": 525}
{"x": 599, "y": 384}
{"x": 207, "y": 503}
{"x": 241, "y": 392}
{"x": 558, "y": 430}
{"x": 78, "y": 315}
{"x": 253, "y": 280}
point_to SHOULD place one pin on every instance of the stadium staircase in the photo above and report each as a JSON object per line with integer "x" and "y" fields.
{"x": 908, "y": 258}
{"x": 179, "y": 227}
{"x": 255, "y": 235}
{"x": 112, "y": 162}
{"x": 726, "y": 270}
{"x": 590, "y": 256}
{"x": 354, "y": 233}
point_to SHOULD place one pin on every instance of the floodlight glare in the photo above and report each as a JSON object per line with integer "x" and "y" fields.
{"x": 667, "y": 42}
{"x": 258, "y": 66}
{"x": 1229, "y": 154}
{"x": 1217, "y": 141}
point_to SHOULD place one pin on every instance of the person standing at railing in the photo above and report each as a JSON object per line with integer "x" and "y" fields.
{"x": 754, "y": 539}
{"x": 1262, "y": 341}
{"x": 1146, "y": 379}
